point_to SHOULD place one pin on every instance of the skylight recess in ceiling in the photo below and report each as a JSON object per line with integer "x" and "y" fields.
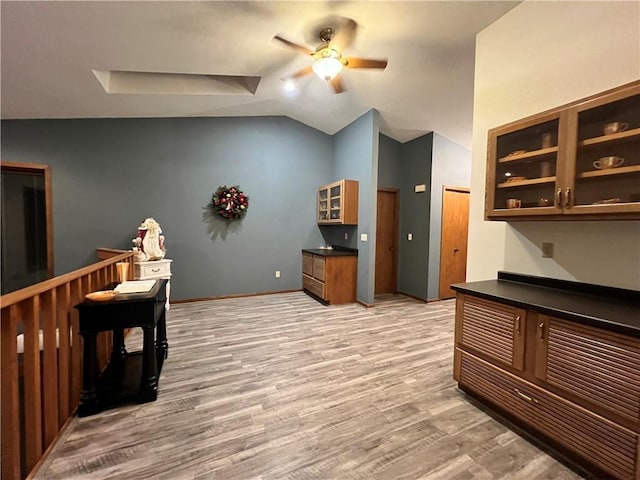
{"x": 160, "y": 83}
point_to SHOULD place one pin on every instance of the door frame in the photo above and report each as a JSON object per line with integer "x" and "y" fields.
{"x": 396, "y": 231}
{"x": 45, "y": 170}
{"x": 450, "y": 188}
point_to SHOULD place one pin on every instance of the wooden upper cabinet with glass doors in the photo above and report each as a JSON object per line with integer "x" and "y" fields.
{"x": 338, "y": 203}
{"x": 579, "y": 161}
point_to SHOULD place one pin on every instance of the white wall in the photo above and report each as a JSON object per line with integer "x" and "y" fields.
{"x": 538, "y": 56}
{"x": 450, "y": 166}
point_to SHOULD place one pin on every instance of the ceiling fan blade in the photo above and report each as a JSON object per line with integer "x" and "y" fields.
{"x": 295, "y": 46}
{"x": 336, "y": 84}
{"x": 299, "y": 73}
{"x": 343, "y": 37}
{"x": 355, "y": 62}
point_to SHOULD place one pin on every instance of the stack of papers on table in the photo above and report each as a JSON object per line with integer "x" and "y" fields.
{"x": 135, "y": 286}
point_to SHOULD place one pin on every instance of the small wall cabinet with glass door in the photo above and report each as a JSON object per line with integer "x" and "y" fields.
{"x": 338, "y": 203}
{"x": 580, "y": 161}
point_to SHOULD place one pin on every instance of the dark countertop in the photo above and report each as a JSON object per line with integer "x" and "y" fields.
{"x": 605, "y": 307}
{"x": 325, "y": 252}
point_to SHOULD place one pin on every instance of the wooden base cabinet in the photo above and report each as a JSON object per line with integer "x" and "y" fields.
{"x": 600, "y": 441}
{"x": 574, "y": 386}
{"x": 332, "y": 279}
{"x": 492, "y": 329}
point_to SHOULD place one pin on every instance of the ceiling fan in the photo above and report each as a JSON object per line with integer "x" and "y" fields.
{"x": 328, "y": 60}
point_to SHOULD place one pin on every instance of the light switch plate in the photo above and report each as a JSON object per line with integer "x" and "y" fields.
{"x": 363, "y": 237}
{"x": 409, "y": 236}
{"x": 420, "y": 188}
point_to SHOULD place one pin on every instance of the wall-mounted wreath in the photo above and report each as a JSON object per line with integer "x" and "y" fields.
{"x": 229, "y": 202}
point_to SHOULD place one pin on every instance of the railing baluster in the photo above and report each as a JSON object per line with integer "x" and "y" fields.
{"x": 64, "y": 370}
{"x": 49, "y": 367}
{"x": 10, "y": 446}
{"x": 76, "y": 343}
{"x": 29, "y": 314}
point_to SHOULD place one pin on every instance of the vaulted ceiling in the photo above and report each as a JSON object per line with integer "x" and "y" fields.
{"x": 50, "y": 51}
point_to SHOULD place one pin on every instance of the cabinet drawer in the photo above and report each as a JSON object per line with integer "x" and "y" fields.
{"x": 144, "y": 270}
{"x": 318, "y": 267}
{"x": 600, "y": 367}
{"x": 600, "y": 441}
{"x": 495, "y": 330}
{"x": 313, "y": 286}
{"x": 307, "y": 263}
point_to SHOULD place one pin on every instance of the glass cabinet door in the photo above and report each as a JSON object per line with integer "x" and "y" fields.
{"x": 336, "y": 201}
{"x": 323, "y": 205}
{"x": 605, "y": 172}
{"x": 523, "y": 163}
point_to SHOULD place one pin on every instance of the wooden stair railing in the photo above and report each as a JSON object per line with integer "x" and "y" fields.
{"x": 48, "y": 372}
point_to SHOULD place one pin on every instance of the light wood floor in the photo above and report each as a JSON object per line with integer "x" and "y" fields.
{"x": 281, "y": 387}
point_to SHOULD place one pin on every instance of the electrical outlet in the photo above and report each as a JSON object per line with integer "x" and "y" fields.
{"x": 409, "y": 236}
{"x": 547, "y": 250}
{"x": 346, "y": 236}
{"x": 277, "y": 273}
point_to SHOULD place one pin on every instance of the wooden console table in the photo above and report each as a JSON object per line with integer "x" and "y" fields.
{"x": 129, "y": 376}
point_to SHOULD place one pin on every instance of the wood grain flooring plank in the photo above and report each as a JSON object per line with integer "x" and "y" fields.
{"x": 282, "y": 387}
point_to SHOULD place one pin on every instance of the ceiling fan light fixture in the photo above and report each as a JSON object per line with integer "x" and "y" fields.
{"x": 327, "y": 68}
{"x": 328, "y": 63}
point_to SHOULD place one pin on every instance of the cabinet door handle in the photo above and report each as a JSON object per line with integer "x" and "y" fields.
{"x": 568, "y": 197}
{"x": 524, "y": 396}
{"x": 517, "y": 322}
{"x": 559, "y": 198}
{"x": 541, "y": 330}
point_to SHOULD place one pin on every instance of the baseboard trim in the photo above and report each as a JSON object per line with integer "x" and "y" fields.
{"x": 236, "y": 295}
{"x": 365, "y": 305}
{"x": 425, "y": 300}
{"x": 414, "y": 297}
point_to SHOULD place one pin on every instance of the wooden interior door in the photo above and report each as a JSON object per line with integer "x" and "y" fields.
{"x": 453, "y": 244}
{"x": 387, "y": 241}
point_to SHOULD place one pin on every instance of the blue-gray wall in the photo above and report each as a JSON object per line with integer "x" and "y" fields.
{"x": 389, "y": 163}
{"x": 451, "y": 166}
{"x": 355, "y": 156}
{"x": 434, "y": 161}
{"x": 110, "y": 174}
{"x": 413, "y": 255}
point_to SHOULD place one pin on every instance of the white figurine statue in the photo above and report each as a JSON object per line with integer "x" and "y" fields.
{"x": 150, "y": 242}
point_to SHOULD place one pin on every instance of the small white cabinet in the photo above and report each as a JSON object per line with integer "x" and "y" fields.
{"x": 152, "y": 270}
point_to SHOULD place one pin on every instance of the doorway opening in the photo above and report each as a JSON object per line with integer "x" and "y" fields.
{"x": 26, "y": 225}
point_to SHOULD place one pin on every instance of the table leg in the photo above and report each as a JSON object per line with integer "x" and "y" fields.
{"x": 149, "y": 378}
{"x": 168, "y": 291}
{"x": 89, "y": 395}
{"x": 162, "y": 346}
{"x": 119, "y": 352}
